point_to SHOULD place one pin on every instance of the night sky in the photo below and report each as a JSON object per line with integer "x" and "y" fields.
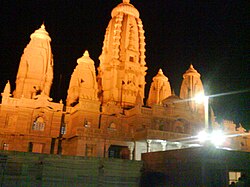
{"x": 211, "y": 35}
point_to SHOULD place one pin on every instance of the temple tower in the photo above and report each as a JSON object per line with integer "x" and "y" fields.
{"x": 35, "y": 73}
{"x": 160, "y": 89}
{"x": 83, "y": 81}
{"x": 122, "y": 70}
{"x": 191, "y": 86}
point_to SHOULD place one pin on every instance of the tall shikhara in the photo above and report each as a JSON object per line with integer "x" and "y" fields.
{"x": 35, "y": 73}
{"x": 122, "y": 70}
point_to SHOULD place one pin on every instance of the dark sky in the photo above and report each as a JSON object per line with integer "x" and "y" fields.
{"x": 212, "y": 35}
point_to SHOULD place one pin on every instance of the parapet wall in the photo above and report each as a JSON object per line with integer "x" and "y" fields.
{"x": 30, "y": 169}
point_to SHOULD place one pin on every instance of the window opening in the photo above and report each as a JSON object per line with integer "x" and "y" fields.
{"x": 131, "y": 59}
{"x": 38, "y": 124}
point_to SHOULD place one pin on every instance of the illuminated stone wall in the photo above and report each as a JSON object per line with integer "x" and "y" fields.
{"x": 30, "y": 124}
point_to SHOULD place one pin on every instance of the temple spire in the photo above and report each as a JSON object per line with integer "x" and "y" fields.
{"x": 35, "y": 73}
{"x": 191, "y": 85}
{"x": 83, "y": 83}
{"x": 122, "y": 70}
{"x": 159, "y": 89}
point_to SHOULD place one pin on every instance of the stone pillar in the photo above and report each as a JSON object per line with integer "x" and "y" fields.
{"x": 56, "y": 146}
{"x": 163, "y": 144}
{"x": 131, "y": 149}
{"x": 149, "y": 146}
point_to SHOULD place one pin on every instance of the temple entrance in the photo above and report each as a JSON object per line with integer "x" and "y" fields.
{"x": 116, "y": 151}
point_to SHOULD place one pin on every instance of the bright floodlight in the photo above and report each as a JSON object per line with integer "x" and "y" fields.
{"x": 203, "y": 136}
{"x": 199, "y": 98}
{"x": 217, "y": 137}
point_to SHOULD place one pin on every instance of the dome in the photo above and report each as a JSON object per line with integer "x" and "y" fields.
{"x": 171, "y": 99}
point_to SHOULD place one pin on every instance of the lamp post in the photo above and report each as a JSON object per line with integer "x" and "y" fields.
{"x": 215, "y": 137}
{"x": 206, "y": 110}
{"x": 201, "y": 98}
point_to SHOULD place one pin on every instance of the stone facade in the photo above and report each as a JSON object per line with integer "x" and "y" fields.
{"x": 104, "y": 114}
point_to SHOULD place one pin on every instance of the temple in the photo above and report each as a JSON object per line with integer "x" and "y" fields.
{"x": 105, "y": 114}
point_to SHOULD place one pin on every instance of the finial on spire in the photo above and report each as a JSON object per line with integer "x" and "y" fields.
{"x": 160, "y": 71}
{"x": 43, "y": 26}
{"x": 191, "y": 66}
{"x": 86, "y": 53}
{"x": 126, "y": 1}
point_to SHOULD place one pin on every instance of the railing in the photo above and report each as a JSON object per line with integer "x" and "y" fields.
{"x": 156, "y": 134}
{"x": 101, "y": 133}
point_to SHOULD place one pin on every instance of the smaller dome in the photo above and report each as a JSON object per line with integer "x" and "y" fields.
{"x": 171, "y": 99}
{"x": 126, "y": 8}
{"x": 41, "y": 33}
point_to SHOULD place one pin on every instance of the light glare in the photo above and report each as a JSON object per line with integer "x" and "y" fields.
{"x": 199, "y": 98}
{"x": 215, "y": 137}
{"x": 203, "y": 136}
